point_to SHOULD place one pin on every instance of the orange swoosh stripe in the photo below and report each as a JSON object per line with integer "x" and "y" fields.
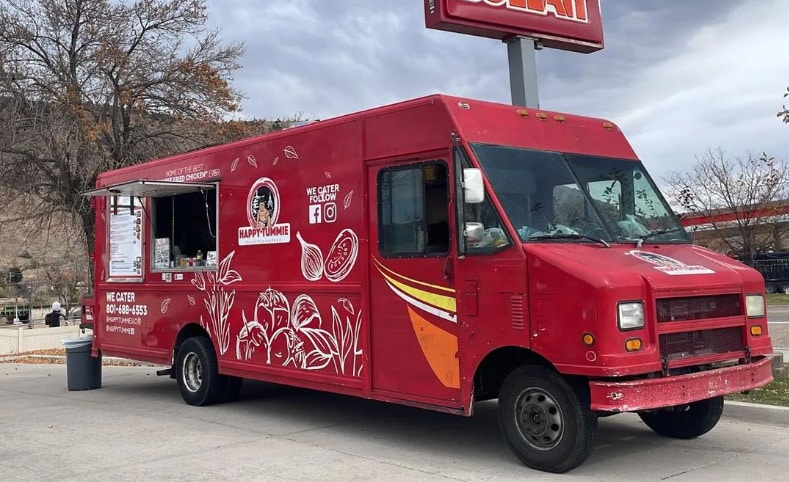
{"x": 440, "y": 348}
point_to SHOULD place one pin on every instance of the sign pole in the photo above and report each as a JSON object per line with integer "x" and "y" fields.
{"x": 522, "y": 53}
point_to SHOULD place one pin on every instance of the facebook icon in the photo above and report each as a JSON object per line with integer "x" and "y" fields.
{"x": 315, "y": 214}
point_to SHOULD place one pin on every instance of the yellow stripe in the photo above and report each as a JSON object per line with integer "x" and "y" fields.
{"x": 439, "y": 301}
{"x": 416, "y": 282}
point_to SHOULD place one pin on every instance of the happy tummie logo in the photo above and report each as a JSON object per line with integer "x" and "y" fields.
{"x": 263, "y": 210}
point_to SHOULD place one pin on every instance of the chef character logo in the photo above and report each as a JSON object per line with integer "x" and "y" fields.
{"x": 668, "y": 265}
{"x": 658, "y": 259}
{"x": 263, "y": 204}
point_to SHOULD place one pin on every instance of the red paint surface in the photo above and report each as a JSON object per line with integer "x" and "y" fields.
{"x": 701, "y": 219}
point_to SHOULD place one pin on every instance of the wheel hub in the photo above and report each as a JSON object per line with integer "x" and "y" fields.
{"x": 539, "y": 419}
{"x": 192, "y": 371}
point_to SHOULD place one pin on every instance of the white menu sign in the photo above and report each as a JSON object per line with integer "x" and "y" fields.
{"x": 126, "y": 239}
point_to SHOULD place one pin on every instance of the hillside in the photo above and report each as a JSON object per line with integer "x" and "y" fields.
{"x": 51, "y": 259}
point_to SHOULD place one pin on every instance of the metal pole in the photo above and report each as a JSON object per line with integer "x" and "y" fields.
{"x": 30, "y": 307}
{"x": 523, "y": 71}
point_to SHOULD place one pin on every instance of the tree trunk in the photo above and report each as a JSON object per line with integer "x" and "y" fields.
{"x": 88, "y": 220}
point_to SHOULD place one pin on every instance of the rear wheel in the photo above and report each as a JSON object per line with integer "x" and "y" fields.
{"x": 197, "y": 372}
{"x": 685, "y": 421}
{"x": 770, "y": 288}
{"x": 544, "y": 420}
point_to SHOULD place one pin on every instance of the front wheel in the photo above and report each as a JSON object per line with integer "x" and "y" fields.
{"x": 685, "y": 421}
{"x": 197, "y": 372}
{"x": 544, "y": 421}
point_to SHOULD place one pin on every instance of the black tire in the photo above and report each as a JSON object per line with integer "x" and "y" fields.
{"x": 686, "y": 421}
{"x": 198, "y": 372}
{"x": 232, "y": 388}
{"x": 770, "y": 288}
{"x": 544, "y": 421}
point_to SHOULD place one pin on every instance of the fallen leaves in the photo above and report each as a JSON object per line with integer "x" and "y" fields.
{"x": 57, "y": 356}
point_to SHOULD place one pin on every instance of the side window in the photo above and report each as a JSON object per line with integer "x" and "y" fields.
{"x": 413, "y": 216}
{"x": 494, "y": 234}
{"x": 184, "y": 230}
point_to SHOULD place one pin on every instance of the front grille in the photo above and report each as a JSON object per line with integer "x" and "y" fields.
{"x": 698, "y": 308}
{"x": 700, "y": 343}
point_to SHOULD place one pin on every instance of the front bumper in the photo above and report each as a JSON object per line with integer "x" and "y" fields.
{"x": 664, "y": 392}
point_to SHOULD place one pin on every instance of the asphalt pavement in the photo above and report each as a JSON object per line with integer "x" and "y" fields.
{"x": 136, "y": 427}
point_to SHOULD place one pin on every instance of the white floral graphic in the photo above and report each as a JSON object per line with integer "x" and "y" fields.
{"x": 290, "y": 152}
{"x": 218, "y": 300}
{"x": 294, "y": 336}
{"x": 338, "y": 262}
{"x": 346, "y": 202}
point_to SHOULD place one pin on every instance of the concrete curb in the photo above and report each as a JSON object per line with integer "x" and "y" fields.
{"x": 105, "y": 360}
{"x": 757, "y": 413}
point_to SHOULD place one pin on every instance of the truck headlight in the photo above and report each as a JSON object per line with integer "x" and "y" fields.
{"x": 631, "y": 315}
{"x": 754, "y": 305}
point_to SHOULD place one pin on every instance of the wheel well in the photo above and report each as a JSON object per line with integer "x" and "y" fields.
{"x": 188, "y": 331}
{"x": 499, "y": 363}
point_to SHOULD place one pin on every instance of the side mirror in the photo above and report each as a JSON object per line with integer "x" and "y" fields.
{"x": 473, "y": 188}
{"x": 474, "y": 232}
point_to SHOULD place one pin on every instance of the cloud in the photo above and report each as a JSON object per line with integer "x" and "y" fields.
{"x": 678, "y": 77}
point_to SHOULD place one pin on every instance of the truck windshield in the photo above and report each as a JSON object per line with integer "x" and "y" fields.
{"x": 571, "y": 197}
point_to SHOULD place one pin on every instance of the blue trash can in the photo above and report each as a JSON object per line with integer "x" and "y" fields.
{"x": 83, "y": 372}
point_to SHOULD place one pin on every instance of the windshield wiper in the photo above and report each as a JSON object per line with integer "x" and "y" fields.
{"x": 656, "y": 232}
{"x": 569, "y": 236}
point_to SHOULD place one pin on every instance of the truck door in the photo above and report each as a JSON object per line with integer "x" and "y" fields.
{"x": 490, "y": 274}
{"x": 414, "y": 330}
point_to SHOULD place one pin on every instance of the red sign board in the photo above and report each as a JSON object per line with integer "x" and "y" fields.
{"x": 562, "y": 24}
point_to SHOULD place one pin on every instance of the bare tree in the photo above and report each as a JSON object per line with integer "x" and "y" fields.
{"x": 91, "y": 85}
{"x": 66, "y": 280}
{"x": 746, "y": 187}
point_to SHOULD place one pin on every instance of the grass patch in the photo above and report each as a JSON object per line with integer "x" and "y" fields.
{"x": 777, "y": 299}
{"x": 774, "y": 393}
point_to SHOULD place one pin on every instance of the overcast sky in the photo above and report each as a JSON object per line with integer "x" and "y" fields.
{"x": 677, "y": 76}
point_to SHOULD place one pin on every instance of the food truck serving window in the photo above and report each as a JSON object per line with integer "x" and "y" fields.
{"x": 184, "y": 230}
{"x": 182, "y": 220}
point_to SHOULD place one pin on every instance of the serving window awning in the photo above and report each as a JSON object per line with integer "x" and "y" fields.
{"x": 148, "y": 189}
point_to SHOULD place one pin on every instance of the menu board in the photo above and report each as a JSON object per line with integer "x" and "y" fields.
{"x": 161, "y": 253}
{"x": 125, "y": 238}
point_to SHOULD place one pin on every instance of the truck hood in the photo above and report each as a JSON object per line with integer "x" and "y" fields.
{"x": 675, "y": 268}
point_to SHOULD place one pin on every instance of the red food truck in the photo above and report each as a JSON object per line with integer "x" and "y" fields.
{"x": 433, "y": 253}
